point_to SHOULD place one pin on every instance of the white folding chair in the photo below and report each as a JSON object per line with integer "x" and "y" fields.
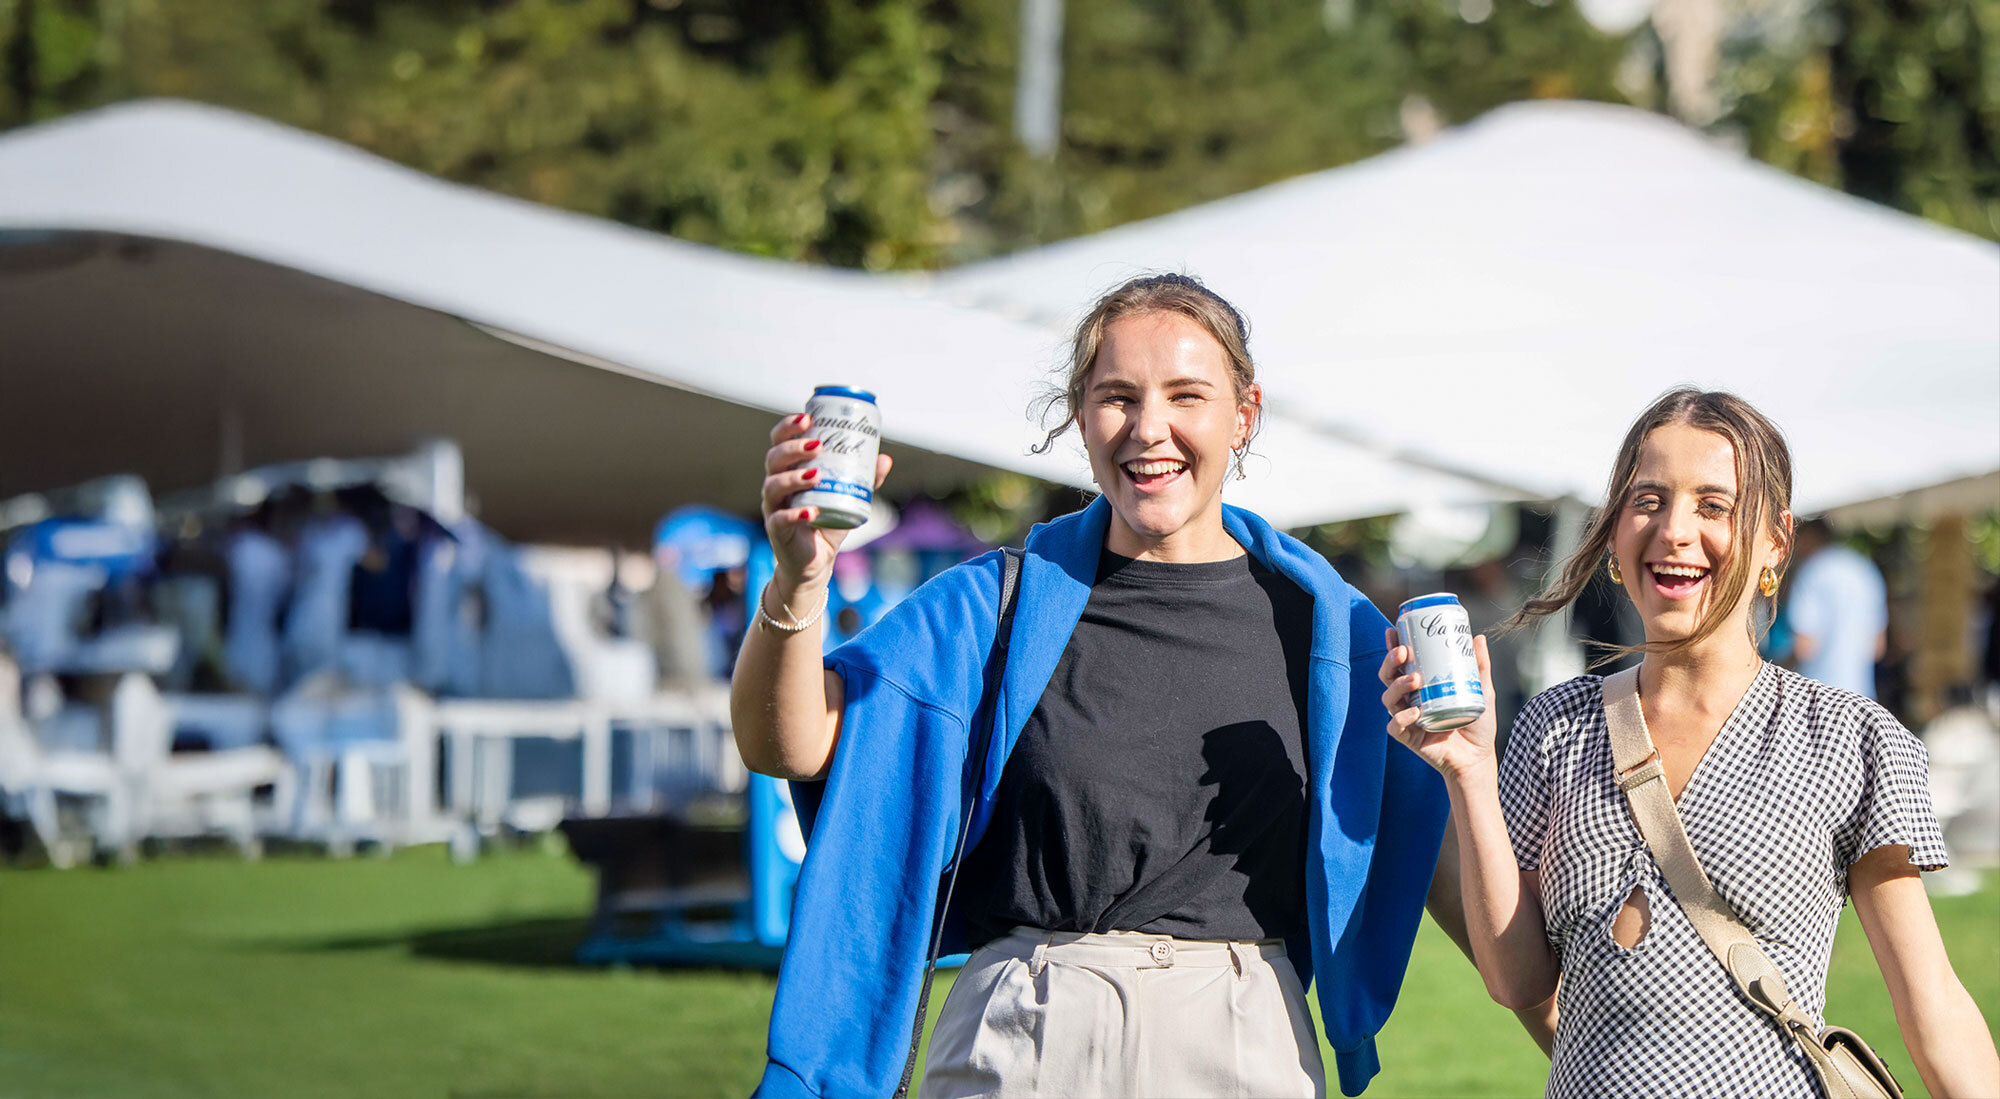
{"x": 187, "y": 794}
{"x": 34, "y": 780}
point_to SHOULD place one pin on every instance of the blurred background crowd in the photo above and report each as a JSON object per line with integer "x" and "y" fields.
{"x": 386, "y": 383}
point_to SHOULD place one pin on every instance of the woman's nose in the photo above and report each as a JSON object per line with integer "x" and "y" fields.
{"x": 1149, "y": 421}
{"x": 1677, "y": 526}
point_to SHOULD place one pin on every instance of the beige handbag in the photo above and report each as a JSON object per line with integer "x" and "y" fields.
{"x": 1847, "y": 1068}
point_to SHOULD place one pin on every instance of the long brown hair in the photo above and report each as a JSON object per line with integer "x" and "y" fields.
{"x": 1169, "y": 293}
{"x": 1763, "y": 495}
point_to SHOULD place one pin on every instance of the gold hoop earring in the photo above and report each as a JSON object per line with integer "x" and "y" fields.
{"x": 1611, "y": 565}
{"x": 1767, "y": 581}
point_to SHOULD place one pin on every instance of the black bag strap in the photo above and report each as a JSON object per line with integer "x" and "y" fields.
{"x": 1010, "y": 582}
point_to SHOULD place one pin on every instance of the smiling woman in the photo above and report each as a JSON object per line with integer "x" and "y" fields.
{"x": 1161, "y": 422}
{"x": 1161, "y": 387}
{"x": 1177, "y": 822}
{"x": 1792, "y": 796}
{"x": 1700, "y": 464}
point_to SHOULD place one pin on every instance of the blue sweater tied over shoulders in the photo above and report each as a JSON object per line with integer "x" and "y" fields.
{"x": 883, "y": 824}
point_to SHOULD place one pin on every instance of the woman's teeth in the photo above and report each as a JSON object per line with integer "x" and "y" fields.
{"x": 1678, "y": 580}
{"x": 1154, "y": 469}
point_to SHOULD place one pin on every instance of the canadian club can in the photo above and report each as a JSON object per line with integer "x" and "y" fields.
{"x": 849, "y": 429}
{"x": 1439, "y": 635}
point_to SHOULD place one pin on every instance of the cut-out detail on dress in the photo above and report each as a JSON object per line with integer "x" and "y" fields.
{"x": 1634, "y": 919}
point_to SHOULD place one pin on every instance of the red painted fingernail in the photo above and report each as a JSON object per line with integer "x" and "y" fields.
{"x": 799, "y": 419}
{"x": 811, "y": 473}
{"x": 812, "y": 444}
{"x": 805, "y": 513}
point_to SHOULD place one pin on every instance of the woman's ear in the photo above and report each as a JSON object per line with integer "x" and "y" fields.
{"x": 1781, "y": 543}
{"x": 1247, "y": 412}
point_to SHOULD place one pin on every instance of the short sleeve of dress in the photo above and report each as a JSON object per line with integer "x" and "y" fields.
{"x": 1895, "y": 804}
{"x": 1524, "y": 780}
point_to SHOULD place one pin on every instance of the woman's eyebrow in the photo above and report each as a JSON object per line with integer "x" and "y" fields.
{"x": 1172, "y": 383}
{"x": 1699, "y": 490}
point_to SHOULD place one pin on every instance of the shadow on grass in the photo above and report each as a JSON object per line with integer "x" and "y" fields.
{"x": 548, "y": 943}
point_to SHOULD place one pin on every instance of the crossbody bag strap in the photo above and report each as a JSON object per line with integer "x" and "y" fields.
{"x": 975, "y": 777}
{"x": 1644, "y": 781}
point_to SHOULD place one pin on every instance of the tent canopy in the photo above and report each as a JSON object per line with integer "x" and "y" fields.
{"x": 184, "y": 289}
{"x": 180, "y": 362}
{"x": 1506, "y": 298}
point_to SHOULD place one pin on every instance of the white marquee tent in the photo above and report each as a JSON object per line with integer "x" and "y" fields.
{"x": 183, "y": 289}
{"x": 1507, "y": 298}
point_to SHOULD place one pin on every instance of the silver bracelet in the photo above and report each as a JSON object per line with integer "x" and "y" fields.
{"x": 796, "y": 626}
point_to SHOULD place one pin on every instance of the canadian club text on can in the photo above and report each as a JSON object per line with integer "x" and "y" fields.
{"x": 1440, "y": 639}
{"x": 849, "y": 429}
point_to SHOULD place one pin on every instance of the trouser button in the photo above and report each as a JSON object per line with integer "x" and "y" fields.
{"x": 1163, "y": 952}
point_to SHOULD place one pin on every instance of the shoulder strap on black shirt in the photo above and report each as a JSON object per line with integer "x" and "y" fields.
{"x": 1010, "y": 582}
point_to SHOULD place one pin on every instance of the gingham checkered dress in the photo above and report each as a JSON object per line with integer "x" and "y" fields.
{"x": 1801, "y": 780}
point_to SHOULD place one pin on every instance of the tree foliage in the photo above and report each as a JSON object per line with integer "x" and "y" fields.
{"x": 1897, "y": 101}
{"x": 878, "y": 133}
{"x": 1167, "y": 103}
{"x": 798, "y": 130}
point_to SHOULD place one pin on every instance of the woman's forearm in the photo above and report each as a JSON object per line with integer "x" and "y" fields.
{"x": 1941, "y": 1025}
{"x": 1540, "y": 1023}
{"x": 782, "y": 701}
{"x": 1448, "y": 911}
{"x": 1947, "y": 1038}
{"x": 1503, "y": 921}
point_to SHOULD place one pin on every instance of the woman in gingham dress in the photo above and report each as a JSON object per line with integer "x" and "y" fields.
{"x": 1795, "y": 796}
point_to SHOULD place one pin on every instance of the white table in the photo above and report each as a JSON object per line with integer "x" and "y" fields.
{"x": 478, "y": 778}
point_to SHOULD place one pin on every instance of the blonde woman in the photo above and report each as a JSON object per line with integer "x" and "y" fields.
{"x": 1185, "y": 813}
{"x": 1796, "y": 797}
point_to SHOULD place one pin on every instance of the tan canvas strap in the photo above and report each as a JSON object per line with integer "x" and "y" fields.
{"x": 1644, "y": 782}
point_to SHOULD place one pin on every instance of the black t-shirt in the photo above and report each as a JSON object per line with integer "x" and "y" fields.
{"x": 1159, "y": 785}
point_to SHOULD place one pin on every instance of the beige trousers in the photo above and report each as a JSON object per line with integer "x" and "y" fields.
{"x": 1041, "y": 1013}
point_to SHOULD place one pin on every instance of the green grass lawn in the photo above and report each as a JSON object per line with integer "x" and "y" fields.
{"x": 412, "y": 977}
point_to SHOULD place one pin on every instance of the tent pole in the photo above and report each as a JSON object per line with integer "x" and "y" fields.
{"x": 229, "y": 435}
{"x": 1553, "y": 654}
{"x": 1038, "y": 85}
